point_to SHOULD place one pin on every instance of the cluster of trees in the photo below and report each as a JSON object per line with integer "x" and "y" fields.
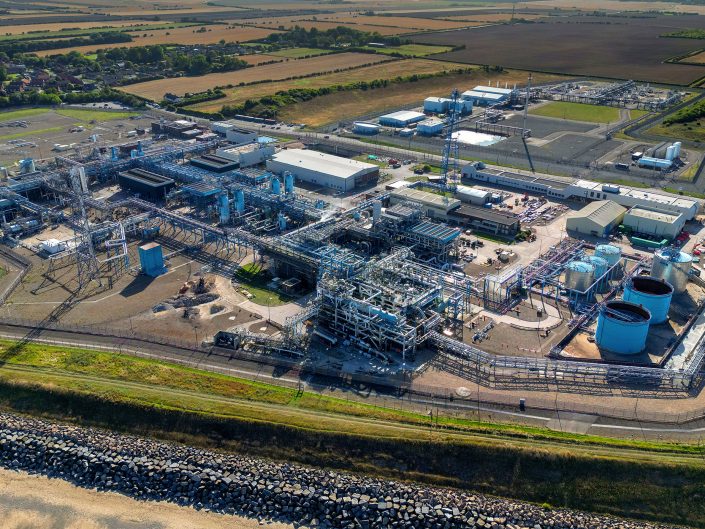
{"x": 341, "y": 36}
{"x": 190, "y": 64}
{"x": 53, "y": 97}
{"x": 13, "y": 48}
{"x": 687, "y": 114}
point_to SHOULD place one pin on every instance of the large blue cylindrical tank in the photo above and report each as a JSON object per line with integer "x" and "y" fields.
{"x": 652, "y": 293}
{"x": 609, "y": 252}
{"x": 622, "y": 327}
{"x": 239, "y": 201}
{"x": 288, "y": 183}
{"x": 599, "y": 263}
{"x": 276, "y": 186}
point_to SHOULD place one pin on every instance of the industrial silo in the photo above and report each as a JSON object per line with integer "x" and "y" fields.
{"x": 622, "y": 327}
{"x": 651, "y": 293}
{"x": 579, "y": 276}
{"x": 599, "y": 263}
{"x": 673, "y": 266}
{"x": 609, "y": 252}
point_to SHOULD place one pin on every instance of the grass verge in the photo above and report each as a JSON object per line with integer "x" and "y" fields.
{"x": 577, "y": 112}
{"x": 94, "y": 115}
{"x": 27, "y": 132}
{"x": 656, "y": 481}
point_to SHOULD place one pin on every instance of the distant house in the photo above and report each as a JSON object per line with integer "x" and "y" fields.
{"x": 171, "y": 98}
{"x": 13, "y": 68}
{"x": 40, "y": 80}
{"x": 17, "y": 85}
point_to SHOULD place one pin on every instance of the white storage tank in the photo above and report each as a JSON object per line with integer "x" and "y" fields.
{"x": 610, "y": 253}
{"x": 673, "y": 266}
{"x": 579, "y": 275}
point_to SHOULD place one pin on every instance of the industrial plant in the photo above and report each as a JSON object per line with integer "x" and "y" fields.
{"x": 504, "y": 277}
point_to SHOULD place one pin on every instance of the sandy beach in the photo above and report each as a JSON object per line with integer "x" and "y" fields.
{"x": 36, "y": 502}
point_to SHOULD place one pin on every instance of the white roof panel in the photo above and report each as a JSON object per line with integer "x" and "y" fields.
{"x": 322, "y": 162}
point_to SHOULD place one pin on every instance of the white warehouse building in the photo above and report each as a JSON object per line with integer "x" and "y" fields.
{"x": 323, "y": 169}
{"x": 654, "y": 222}
{"x": 586, "y": 190}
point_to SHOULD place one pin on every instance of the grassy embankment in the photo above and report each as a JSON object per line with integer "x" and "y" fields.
{"x": 652, "y": 480}
{"x": 410, "y": 50}
{"x": 577, "y": 112}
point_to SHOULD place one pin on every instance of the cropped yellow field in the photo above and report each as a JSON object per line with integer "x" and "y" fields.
{"x": 19, "y": 29}
{"x": 155, "y": 90}
{"x": 187, "y": 35}
{"x": 387, "y": 70}
{"x": 396, "y": 22}
{"x": 491, "y": 17}
{"x": 259, "y": 58}
{"x": 698, "y": 58}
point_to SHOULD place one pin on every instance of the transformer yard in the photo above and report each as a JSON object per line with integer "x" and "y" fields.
{"x": 222, "y": 239}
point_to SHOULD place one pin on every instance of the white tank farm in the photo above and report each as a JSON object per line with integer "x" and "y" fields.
{"x": 622, "y": 327}
{"x": 612, "y": 254}
{"x": 673, "y": 266}
{"x": 579, "y": 275}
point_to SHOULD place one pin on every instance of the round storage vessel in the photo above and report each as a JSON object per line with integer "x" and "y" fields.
{"x": 599, "y": 263}
{"x": 653, "y": 294}
{"x": 612, "y": 254}
{"x": 579, "y": 275}
{"x": 673, "y": 266}
{"x": 622, "y": 327}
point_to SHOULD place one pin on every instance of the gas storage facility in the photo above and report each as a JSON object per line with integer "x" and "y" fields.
{"x": 385, "y": 272}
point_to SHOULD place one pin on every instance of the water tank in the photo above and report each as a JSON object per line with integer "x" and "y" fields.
{"x": 288, "y": 183}
{"x": 239, "y": 201}
{"x": 670, "y": 152}
{"x": 376, "y": 211}
{"x": 673, "y": 266}
{"x": 224, "y": 208}
{"x": 677, "y": 147}
{"x": 622, "y": 327}
{"x": 276, "y": 186}
{"x": 610, "y": 253}
{"x": 579, "y": 275}
{"x": 651, "y": 293}
{"x": 599, "y": 263}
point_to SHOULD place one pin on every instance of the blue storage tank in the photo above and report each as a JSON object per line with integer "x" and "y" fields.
{"x": 239, "y": 201}
{"x": 276, "y": 186}
{"x": 612, "y": 254}
{"x": 651, "y": 293}
{"x": 599, "y": 263}
{"x": 288, "y": 183}
{"x": 360, "y": 127}
{"x": 622, "y": 327}
{"x": 224, "y": 208}
{"x": 151, "y": 259}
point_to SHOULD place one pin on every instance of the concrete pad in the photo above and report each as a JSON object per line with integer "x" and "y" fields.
{"x": 571, "y": 422}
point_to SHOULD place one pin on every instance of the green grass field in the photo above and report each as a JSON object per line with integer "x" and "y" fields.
{"x": 411, "y": 50}
{"x": 25, "y": 133}
{"x": 254, "y": 279}
{"x": 694, "y": 131}
{"x": 634, "y": 113}
{"x": 94, "y": 115}
{"x": 577, "y": 112}
{"x": 14, "y": 115}
{"x": 298, "y": 53}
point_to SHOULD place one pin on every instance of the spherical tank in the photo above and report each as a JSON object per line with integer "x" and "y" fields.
{"x": 651, "y": 293}
{"x": 609, "y": 252}
{"x": 579, "y": 275}
{"x": 599, "y": 263}
{"x": 673, "y": 266}
{"x": 622, "y": 327}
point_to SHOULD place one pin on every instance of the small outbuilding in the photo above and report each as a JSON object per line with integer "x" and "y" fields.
{"x": 597, "y": 219}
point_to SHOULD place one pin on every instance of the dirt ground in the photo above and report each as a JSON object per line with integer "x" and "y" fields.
{"x": 36, "y": 502}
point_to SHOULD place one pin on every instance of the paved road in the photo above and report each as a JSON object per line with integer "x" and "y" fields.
{"x": 222, "y": 362}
